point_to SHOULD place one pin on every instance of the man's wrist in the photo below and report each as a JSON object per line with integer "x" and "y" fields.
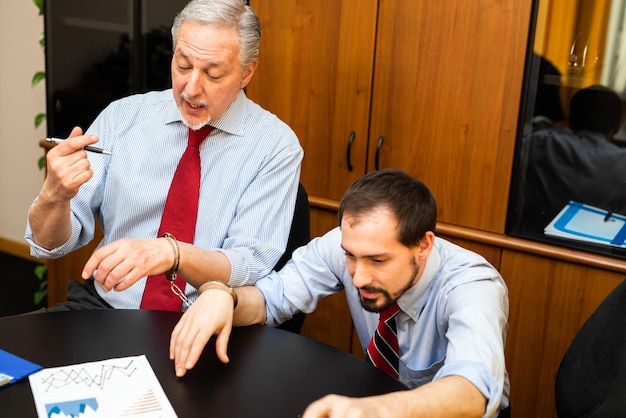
{"x": 171, "y": 273}
{"x": 214, "y": 284}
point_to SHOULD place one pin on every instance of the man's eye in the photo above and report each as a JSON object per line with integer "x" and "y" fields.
{"x": 212, "y": 76}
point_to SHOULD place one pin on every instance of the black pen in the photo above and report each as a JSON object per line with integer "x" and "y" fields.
{"x": 87, "y": 148}
{"x": 608, "y": 216}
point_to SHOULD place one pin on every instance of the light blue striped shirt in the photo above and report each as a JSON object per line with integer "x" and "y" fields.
{"x": 454, "y": 321}
{"x": 249, "y": 180}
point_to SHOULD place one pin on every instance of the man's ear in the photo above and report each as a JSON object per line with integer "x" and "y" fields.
{"x": 248, "y": 71}
{"x": 426, "y": 245}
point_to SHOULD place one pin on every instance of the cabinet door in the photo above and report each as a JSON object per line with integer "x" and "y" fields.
{"x": 446, "y": 95}
{"x": 315, "y": 73}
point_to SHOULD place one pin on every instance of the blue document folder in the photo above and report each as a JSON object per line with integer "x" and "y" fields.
{"x": 14, "y": 368}
{"x": 587, "y": 223}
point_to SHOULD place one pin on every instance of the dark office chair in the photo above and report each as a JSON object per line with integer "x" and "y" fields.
{"x": 299, "y": 235}
{"x": 591, "y": 380}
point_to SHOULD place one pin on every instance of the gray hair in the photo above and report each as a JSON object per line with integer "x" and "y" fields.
{"x": 224, "y": 13}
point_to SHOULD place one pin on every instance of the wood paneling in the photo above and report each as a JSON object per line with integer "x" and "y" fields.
{"x": 549, "y": 301}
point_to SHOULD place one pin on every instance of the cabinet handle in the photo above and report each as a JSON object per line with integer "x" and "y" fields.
{"x": 379, "y": 145}
{"x": 350, "y": 140}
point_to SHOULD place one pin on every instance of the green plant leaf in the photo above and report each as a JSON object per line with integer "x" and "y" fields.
{"x": 40, "y": 295}
{"x": 39, "y": 4}
{"x": 39, "y": 119}
{"x": 40, "y": 271}
{"x": 42, "y": 40}
{"x": 41, "y": 163}
{"x": 39, "y": 75}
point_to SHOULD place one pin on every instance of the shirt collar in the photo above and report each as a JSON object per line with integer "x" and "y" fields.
{"x": 232, "y": 121}
{"x": 412, "y": 301}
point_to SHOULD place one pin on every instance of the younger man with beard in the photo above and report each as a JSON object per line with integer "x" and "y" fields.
{"x": 451, "y": 326}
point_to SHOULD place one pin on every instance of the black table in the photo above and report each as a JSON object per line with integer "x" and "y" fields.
{"x": 272, "y": 373}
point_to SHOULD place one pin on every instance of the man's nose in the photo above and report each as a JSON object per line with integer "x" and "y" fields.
{"x": 194, "y": 86}
{"x": 361, "y": 275}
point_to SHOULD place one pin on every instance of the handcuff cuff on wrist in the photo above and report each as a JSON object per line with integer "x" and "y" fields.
{"x": 215, "y": 284}
{"x": 171, "y": 274}
{"x": 173, "y": 271}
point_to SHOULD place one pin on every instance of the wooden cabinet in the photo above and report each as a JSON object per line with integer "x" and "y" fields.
{"x": 315, "y": 72}
{"x": 429, "y": 87}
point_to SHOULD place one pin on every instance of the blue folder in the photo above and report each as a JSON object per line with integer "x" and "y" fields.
{"x": 14, "y": 368}
{"x": 587, "y": 223}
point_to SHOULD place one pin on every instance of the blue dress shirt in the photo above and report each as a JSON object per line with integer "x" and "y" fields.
{"x": 250, "y": 168}
{"x": 452, "y": 322}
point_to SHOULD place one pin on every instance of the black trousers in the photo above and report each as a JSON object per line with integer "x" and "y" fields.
{"x": 79, "y": 297}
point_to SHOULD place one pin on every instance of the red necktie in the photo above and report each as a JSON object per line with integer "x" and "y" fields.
{"x": 383, "y": 347}
{"x": 179, "y": 219}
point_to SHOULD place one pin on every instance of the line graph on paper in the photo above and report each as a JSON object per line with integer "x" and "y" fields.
{"x": 96, "y": 376}
{"x": 121, "y": 387}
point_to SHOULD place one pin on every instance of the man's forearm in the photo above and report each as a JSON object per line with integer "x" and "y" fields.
{"x": 50, "y": 223}
{"x": 250, "y": 306}
{"x": 451, "y": 396}
{"x": 198, "y": 266}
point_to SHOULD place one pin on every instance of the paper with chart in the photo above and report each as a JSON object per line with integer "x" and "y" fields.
{"x": 119, "y": 387}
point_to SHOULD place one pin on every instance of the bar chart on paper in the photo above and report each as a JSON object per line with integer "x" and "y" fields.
{"x": 120, "y": 387}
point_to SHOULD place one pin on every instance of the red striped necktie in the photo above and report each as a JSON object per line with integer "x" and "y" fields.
{"x": 179, "y": 219}
{"x": 383, "y": 347}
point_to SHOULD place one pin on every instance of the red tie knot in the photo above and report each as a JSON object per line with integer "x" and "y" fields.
{"x": 196, "y": 136}
{"x": 389, "y": 312}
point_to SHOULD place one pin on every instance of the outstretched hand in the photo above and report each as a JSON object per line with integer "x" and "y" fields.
{"x": 211, "y": 314}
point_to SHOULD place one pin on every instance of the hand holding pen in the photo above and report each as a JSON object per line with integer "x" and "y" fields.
{"x": 68, "y": 167}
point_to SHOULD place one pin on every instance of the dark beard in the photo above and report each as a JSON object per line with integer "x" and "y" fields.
{"x": 388, "y": 300}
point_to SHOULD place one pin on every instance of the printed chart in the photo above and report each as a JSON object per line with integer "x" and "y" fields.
{"x": 121, "y": 387}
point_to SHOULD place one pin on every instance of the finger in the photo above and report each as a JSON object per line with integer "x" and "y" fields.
{"x": 174, "y": 338}
{"x": 120, "y": 272}
{"x": 76, "y": 131}
{"x": 318, "y": 409}
{"x": 128, "y": 279}
{"x": 94, "y": 261}
{"x": 79, "y": 140}
{"x": 221, "y": 343}
{"x": 81, "y": 176}
{"x": 109, "y": 267}
{"x": 177, "y": 341}
{"x": 183, "y": 337}
{"x": 193, "y": 353}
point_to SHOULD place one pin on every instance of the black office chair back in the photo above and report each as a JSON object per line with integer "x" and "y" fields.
{"x": 591, "y": 380}
{"x": 299, "y": 235}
